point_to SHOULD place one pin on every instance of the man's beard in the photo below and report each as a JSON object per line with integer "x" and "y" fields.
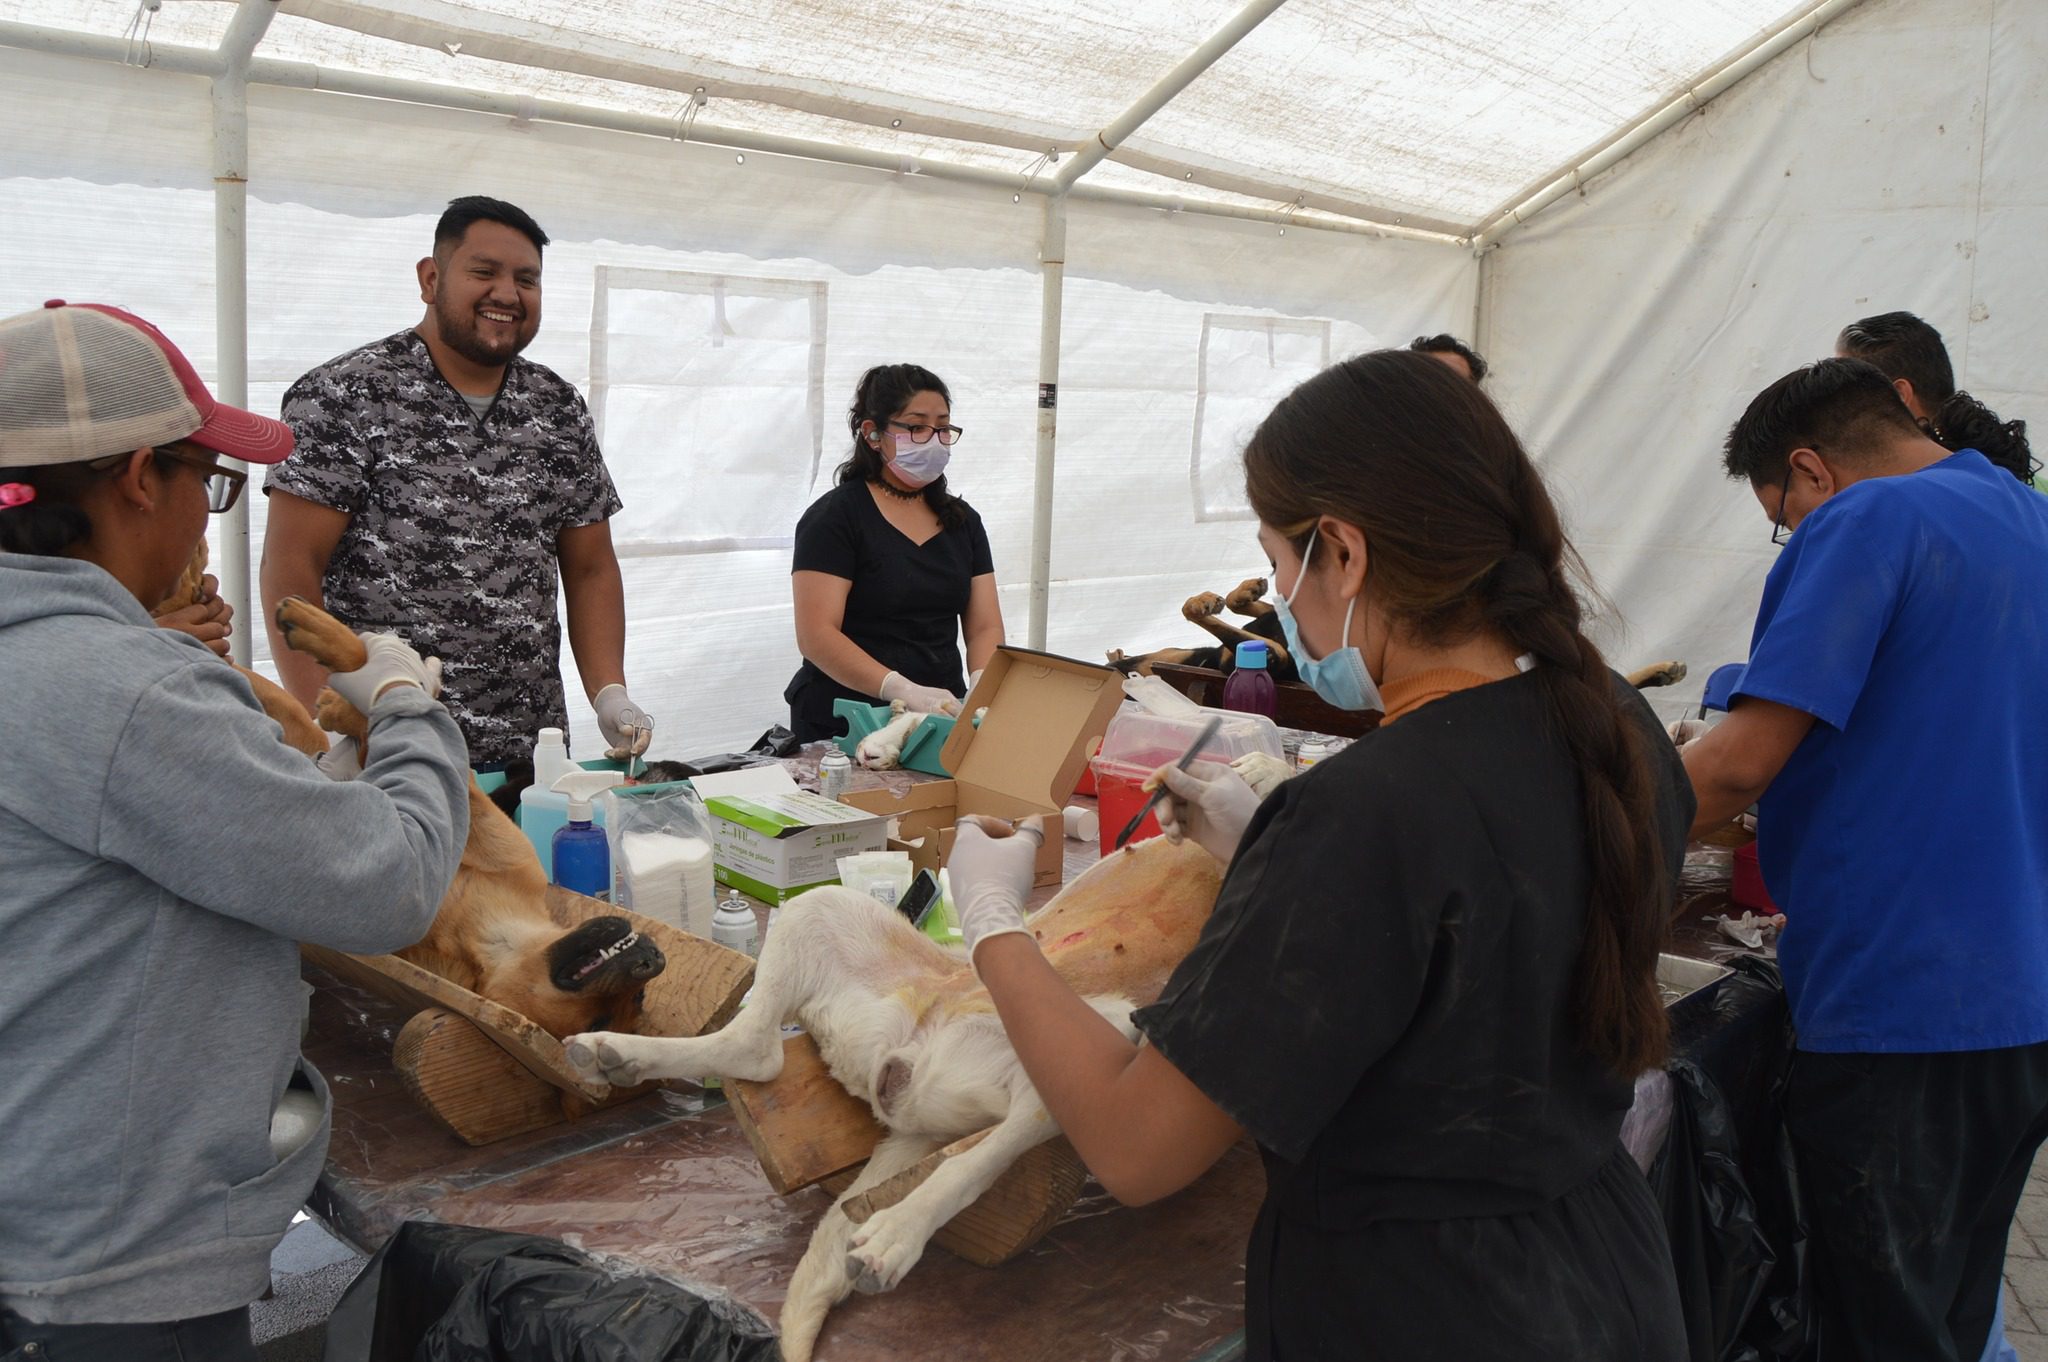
{"x": 459, "y": 333}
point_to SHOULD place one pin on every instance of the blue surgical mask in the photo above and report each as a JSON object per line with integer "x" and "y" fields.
{"x": 1342, "y": 677}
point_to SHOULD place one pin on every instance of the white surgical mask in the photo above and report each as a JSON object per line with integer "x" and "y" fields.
{"x": 917, "y": 464}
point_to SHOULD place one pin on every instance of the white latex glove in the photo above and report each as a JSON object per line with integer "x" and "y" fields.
{"x": 391, "y": 662}
{"x": 919, "y": 699}
{"x": 1262, "y": 771}
{"x": 342, "y": 761}
{"x": 990, "y": 874}
{"x": 1209, "y": 804}
{"x": 973, "y": 680}
{"x": 1685, "y": 732}
{"x": 627, "y": 728}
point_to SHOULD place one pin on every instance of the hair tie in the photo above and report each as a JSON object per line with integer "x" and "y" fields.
{"x": 14, "y": 494}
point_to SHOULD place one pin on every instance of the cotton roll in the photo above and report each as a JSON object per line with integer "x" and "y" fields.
{"x": 668, "y": 878}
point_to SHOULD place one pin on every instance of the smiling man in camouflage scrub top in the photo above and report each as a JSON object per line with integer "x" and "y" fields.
{"x": 439, "y": 481}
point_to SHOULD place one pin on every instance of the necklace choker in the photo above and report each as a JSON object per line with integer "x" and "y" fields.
{"x": 894, "y": 491}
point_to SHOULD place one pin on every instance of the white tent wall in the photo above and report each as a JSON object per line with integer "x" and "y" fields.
{"x": 1857, "y": 173}
{"x": 105, "y": 193}
{"x": 1127, "y": 547}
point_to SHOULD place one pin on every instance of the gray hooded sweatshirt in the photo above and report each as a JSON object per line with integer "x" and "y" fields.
{"x": 161, "y": 851}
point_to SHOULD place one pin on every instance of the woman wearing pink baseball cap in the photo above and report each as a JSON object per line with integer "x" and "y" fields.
{"x": 165, "y": 851}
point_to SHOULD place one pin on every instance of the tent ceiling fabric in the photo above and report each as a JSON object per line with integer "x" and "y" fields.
{"x": 1436, "y": 116}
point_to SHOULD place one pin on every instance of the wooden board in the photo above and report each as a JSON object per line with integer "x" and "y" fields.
{"x": 467, "y": 1083}
{"x": 802, "y": 1125}
{"x": 1013, "y": 1214}
{"x": 404, "y": 982}
{"x": 699, "y": 991}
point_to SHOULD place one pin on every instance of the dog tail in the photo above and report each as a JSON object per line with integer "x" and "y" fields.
{"x": 824, "y": 1277}
{"x": 821, "y": 1282}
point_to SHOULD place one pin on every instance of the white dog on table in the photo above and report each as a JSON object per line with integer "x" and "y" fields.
{"x": 905, "y": 1026}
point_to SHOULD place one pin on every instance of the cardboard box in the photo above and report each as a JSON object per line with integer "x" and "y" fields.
{"x": 772, "y": 841}
{"x": 1045, "y": 715}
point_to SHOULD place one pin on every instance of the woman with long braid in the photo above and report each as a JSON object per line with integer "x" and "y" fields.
{"x": 1429, "y": 982}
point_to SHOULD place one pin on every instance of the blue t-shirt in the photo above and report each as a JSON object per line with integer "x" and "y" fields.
{"x": 1907, "y": 837}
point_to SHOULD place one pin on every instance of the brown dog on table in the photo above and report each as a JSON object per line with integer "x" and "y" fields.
{"x": 493, "y": 934}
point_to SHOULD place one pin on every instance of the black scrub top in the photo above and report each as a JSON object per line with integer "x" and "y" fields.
{"x": 1381, "y": 999}
{"x": 905, "y": 605}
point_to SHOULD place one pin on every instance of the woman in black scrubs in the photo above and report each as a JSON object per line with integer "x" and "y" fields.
{"x": 1428, "y": 982}
{"x": 891, "y": 568}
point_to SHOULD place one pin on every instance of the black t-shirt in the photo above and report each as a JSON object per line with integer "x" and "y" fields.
{"x": 904, "y": 607}
{"x": 1381, "y": 996}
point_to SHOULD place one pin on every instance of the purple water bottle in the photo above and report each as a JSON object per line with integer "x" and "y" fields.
{"x": 1250, "y": 688}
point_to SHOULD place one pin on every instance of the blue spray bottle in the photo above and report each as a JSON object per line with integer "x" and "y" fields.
{"x": 581, "y": 856}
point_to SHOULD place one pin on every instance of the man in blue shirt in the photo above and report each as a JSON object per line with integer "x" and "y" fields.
{"x": 1888, "y": 727}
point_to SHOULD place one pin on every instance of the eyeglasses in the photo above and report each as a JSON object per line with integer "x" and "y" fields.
{"x": 922, "y": 434}
{"x": 1779, "y": 531}
{"x": 223, "y": 485}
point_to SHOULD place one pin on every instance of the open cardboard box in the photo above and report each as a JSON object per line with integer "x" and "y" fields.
{"x": 1045, "y": 715}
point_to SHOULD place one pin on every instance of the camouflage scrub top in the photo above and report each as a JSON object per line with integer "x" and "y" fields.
{"x": 453, "y": 522}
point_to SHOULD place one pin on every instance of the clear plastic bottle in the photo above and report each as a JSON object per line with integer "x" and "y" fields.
{"x": 1250, "y": 688}
{"x": 835, "y": 773}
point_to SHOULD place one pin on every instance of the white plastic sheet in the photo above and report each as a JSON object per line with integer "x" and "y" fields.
{"x": 1435, "y": 114}
{"x": 1892, "y": 162}
{"x": 718, "y": 447}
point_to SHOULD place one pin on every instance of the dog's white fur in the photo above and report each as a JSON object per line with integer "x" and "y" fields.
{"x": 903, "y": 1025}
{"x": 882, "y": 749}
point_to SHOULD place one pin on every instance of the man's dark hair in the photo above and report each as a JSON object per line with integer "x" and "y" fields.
{"x": 1903, "y": 346}
{"x": 1450, "y": 345}
{"x": 473, "y": 208}
{"x": 1836, "y": 407}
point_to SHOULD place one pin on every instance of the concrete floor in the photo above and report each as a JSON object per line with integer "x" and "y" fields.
{"x": 308, "y": 1273}
{"x": 2026, "y": 1271}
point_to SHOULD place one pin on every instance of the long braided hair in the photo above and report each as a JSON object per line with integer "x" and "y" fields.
{"x": 1462, "y": 537}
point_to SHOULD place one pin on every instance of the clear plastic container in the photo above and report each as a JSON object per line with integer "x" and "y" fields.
{"x": 1138, "y": 743}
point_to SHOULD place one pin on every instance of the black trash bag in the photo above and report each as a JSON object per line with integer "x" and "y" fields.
{"x": 450, "y": 1293}
{"x": 1720, "y": 1253}
{"x": 1726, "y": 1179}
{"x": 776, "y": 742}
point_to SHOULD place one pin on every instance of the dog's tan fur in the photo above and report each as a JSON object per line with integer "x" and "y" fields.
{"x": 493, "y": 934}
{"x": 300, "y": 731}
{"x": 1246, "y": 599}
{"x": 905, "y": 1026}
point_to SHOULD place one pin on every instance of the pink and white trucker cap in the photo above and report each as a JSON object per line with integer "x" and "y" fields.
{"x": 81, "y": 381}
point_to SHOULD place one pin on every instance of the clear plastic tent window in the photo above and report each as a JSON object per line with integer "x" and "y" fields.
{"x": 1248, "y": 365}
{"x": 708, "y": 391}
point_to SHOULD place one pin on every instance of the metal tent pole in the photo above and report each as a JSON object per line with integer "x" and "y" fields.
{"x": 231, "y": 282}
{"x": 1052, "y": 263}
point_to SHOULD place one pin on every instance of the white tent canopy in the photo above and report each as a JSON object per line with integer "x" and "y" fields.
{"x": 1278, "y": 186}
